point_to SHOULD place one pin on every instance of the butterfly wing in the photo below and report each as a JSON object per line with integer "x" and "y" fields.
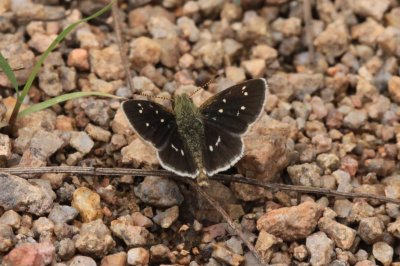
{"x": 221, "y": 150}
{"x": 237, "y": 107}
{"x": 157, "y": 126}
{"x": 176, "y": 157}
{"x": 150, "y": 120}
{"x": 227, "y": 116}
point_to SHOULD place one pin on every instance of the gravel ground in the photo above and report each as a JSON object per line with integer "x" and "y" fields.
{"x": 331, "y": 124}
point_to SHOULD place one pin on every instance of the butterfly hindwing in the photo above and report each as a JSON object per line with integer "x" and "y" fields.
{"x": 221, "y": 150}
{"x": 155, "y": 124}
{"x": 235, "y": 108}
{"x": 150, "y": 120}
{"x": 176, "y": 157}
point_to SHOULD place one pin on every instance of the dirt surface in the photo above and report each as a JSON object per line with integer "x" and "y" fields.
{"x": 331, "y": 121}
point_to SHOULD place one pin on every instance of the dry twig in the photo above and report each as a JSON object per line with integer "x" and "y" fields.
{"x": 224, "y": 178}
{"x": 121, "y": 44}
{"x": 309, "y": 30}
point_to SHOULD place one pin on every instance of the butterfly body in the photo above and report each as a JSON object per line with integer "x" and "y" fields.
{"x": 190, "y": 127}
{"x": 199, "y": 141}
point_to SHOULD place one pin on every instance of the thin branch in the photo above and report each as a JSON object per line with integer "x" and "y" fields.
{"x": 309, "y": 30}
{"x": 121, "y": 45}
{"x": 224, "y": 178}
{"x": 226, "y": 217}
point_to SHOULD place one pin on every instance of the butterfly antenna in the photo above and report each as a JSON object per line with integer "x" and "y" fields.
{"x": 204, "y": 86}
{"x": 154, "y": 97}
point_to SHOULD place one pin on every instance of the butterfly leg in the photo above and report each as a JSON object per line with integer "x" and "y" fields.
{"x": 202, "y": 179}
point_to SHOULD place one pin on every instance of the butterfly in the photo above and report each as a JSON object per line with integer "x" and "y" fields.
{"x": 199, "y": 141}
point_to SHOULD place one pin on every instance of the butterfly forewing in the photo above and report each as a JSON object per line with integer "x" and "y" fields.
{"x": 235, "y": 108}
{"x": 151, "y": 121}
{"x": 155, "y": 124}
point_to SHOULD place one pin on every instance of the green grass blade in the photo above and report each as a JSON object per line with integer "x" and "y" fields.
{"x": 9, "y": 72}
{"x": 53, "y": 45}
{"x": 63, "y": 98}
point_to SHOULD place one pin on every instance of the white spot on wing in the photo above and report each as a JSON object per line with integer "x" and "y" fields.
{"x": 183, "y": 154}
{"x": 162, "y": 120}
{"x": 245, "y": 93}
{"x": 238, "y": 113}
{"x": 224, "y": 100}
{"x": 211, "y": 148}
{"x": 243, "y": 88}
{"x": 214, "y": 118}
{"x": 218, "y": 141}
{"x": 157, "y": 112}
{"x": 147, "y": 124}
{"x": 243, "y": 107}
{"x": 173, "y": 147}
{"x": 221, "y": 110}
{"x": 139, "y": 104}
{"x": 140, "y": 111}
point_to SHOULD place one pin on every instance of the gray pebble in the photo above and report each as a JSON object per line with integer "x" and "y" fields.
{"x": 62, "y": 214}
{"x": 26, "y": 197}
{"x": 159, "y": 191}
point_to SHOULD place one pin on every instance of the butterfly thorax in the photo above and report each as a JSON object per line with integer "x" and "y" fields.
{"x": 190, "y": 126}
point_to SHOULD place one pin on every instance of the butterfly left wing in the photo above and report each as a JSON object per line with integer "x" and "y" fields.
{"x": 157, "y": 126}
{"x": 227, "y": 116}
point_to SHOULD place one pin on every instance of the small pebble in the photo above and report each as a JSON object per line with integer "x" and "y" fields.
{"x": 224, "y": 255}
{"x": 62, "y": 214}
{"x": 132, "y": 235}
{"x": 81, "y": 142}
{"x": 159, "y": 191}
{"x": 383, "y": 253}
{"x": 82, "y": 261}
{"x": 167, "y": 218}
{"x": 320, "y": 248}
{"x": 94, "y": 239}
{"x": 138, "y": 256}
{"x": 30, "y": 254}
{"x": 97, "y": 133}
{"x": 291, "y": 223}
{"x": 343, "y": 236}
{"x": 87, "y": 203}
{"x": 11, "y": 218}
{"x": 371, "y": 229}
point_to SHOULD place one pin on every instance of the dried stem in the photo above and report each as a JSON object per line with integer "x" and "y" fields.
{"x": 121, "y": 44}
{"x": 226, "y": 217}
{"x": 309, "y": 30}
{"x": 224, "y": 178}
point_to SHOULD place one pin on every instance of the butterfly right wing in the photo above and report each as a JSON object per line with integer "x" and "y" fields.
{"x": 156, "y": 125}
{"x": 226, "y": 117}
